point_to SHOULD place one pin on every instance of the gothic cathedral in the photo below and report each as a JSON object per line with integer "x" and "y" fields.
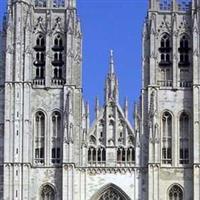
{"x": 49, "y": 150}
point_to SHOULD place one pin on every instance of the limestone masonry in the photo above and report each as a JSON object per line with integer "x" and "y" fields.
{"x": 49, "y": 150}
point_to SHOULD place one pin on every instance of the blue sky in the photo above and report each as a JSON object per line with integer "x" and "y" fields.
{"x": 110, "y": 24}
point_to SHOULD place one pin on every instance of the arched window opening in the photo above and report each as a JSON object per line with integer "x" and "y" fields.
{"x": 56, "y": 121}
{"x": 184, "y": 52}
{"x": 40, "y": 42}
{"x": 101, "y": 155}
{"x": 165, "y": 78}
{"x": 184, "y": 138}
{"x": 40, "y": 138}
{"x": 175, "y": 193}
{"x": 110, "y": 192}
{"x": 58, "y": 43}
{"x": 121, "y": 155}
{"x": 167, "y": 138}
{"x": 40, "y": 56}
{"x": 58, "y": 61}
{"x": 111, "y": 195}
{"x": 92, "y": 155}
{"x": 131, "y": 155}
{"x": 56, "y": 138}
{"x": 165, "y": 51}
{"x": 165, "y": 41}
{"x": 48, "y": 193}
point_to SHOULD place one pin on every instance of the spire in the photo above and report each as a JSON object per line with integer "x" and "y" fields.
{"x": 97, "y": 107}
{"x": 112, "y": 70}
{"x": 111, "y": 89}
{"x": 126, "y": 107}
{"x": 87, "y": 115}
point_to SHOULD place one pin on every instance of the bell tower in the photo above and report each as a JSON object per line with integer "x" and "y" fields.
{"x": 167, "y": 94}
{"x": 43, "y": 98}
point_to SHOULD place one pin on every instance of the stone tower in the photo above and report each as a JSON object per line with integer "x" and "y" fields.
{"x": 43, "y": 99}
{"x": 49, "y": 150}
{"x": 170, "y": 105}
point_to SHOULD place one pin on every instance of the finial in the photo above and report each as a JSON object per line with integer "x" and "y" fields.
{"x": 174, "y": 5}
{"x": 112, "y": 71}
{"x": 87, "y": 108}
{"x": 97, "y": 107}
{"x": 126, "y": 107}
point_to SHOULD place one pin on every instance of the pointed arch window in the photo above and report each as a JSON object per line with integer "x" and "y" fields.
{"x": 48, "y": 193}
{"x": 92, "y": 155}
{"x": 56, "y": 137}
{"x": 184, "y": 138}
{"x": 175, "y": 193}
{"x": 167, "y": 138}
{"x": 111, "y": 195}
{"x": 101, "y": 155}
{"x": 110, "y": 192}
{"x": 165, "y": 50}
{"x": 58, "y": 62}
{"x": 121, "y": 155}
{"x": 40, "y": 138}
{"x": 40, "y": 56}
{"x": 165, "y": 41}
{"x": 184, "y": 52}
{"x": 58, "y": 43}
{"x": 165, "y": 78}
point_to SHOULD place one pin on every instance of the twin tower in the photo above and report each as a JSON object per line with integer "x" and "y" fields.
{"x": 49, "y": 149}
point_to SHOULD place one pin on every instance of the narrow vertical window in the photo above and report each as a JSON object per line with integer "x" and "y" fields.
{"x": 56, "y": 138}
{"x": 121, "y": 155}
{"x": 101, "y": 155}
{"x": 184, "y": 52}
{"x": 165, "y": 78}
{"x": 92, "y": 155}
{"x": 184, "y": 138}
{"x": 40, "y": 138}
{"x": 40, "y": 57}
{"x": 165, "y": 50}
{"x": 58, "y": 62}
{"x": 167, "y": 138}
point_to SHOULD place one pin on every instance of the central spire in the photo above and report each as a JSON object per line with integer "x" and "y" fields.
{"x": 111, "y": 89}
{"x": 112, "y": 70}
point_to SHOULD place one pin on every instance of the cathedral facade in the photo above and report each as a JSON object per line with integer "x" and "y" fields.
{"x": 51, "y": 151}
